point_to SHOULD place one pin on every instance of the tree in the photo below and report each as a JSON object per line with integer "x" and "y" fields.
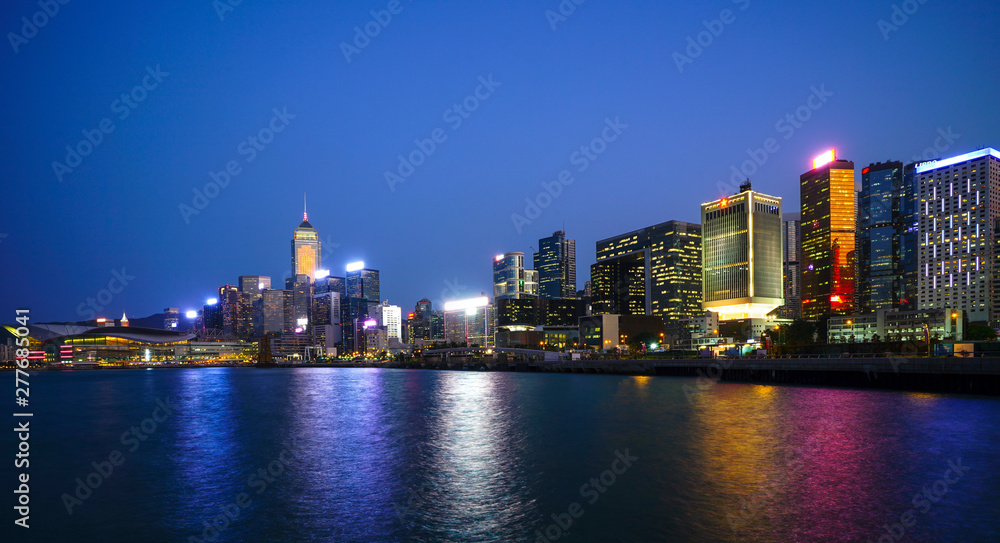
{"x": 800, "y": 332}
{"x": 979, "y": 332}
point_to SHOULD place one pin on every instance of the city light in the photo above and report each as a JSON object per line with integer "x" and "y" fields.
{"x": 935, "y": 164}
{"x": 473, "y": 303}
{"x": 355, "y": 266}
{"x": 825, "y": 158}
{"x": 192, "y": 314}
{"x": 499, "y": 258}
{"x": 371, "y": 323}
{"x": 322, "y": 274}
{"x": 211, "y": 301}
{"x": 835, "y": 298}
{"x": 302, "y": 322}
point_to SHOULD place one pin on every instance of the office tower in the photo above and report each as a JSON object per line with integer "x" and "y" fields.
{"x": 959, "y": 212}
{"x": 392, "y": 319}
{"x": 909, "y": 252}
{"x": 249, "y": 318}
{"x": 171, "y": 318}
{"x": 790, "y": 246}
{"x": 277, "y": 312}
{"x": 212, "y": 315}
{"x": 518, "y": 313}
{"x": 254, "y": 285}
{"x": 229, "y": 299}
{"x": 332, "y": 284}
{"x": 562, "y": 311}
{"x": 827, "y": 236}
{"x": 555, "y": 263}
{"x": 307, "y": 254}
{"x": 620, "y": 284}
{"x": 469, "y": 323}
{"x": 671, "y": 256}
{"x": 743, "y": 257}
{"x": 326, "y": 325}
{"x": 437, "y": 324}
{"x": 362, "y": 282}
{"x": 886, "y": 238}
{"x": 302, "y": 295}
{"x": 511, "y": 280}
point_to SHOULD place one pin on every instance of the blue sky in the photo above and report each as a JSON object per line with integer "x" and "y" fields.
{"x": 680, "y": 130}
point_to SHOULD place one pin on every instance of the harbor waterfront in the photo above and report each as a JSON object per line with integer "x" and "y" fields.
{"x": 377, "y": 454}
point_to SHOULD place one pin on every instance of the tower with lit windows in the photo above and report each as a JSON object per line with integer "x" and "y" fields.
{"x": 827, "y": 228}
{"x": 958, "y": 234}
{"x": 306, "y": 248}
{"x": 742, "y": 255}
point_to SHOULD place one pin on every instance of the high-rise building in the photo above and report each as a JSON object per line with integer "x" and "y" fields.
{"x": 277, "y": 312}
{"x": 229, "y": 299}
{"x": 555, "y": 263}
{"x": 248, "y": 320}
{"x": 959, "y": 233}
{"x": 307, "y": 254}
{"x": 469, "y": 322}
{"x": 212, "y": 315}
{"x": 511, "y": 280}
{"x": 302, "y": 295}
{"x": 392, "y": 319}
{"x": 332, "y": 284}
{"x": 827, "y": 235}
{"x": 171, "y": 318}
{"x": 362, "y": 282}
{"x": 886, "y": 243}
{"x": 743, "y": 255}
{"x": 671, "y": 276}
{"x": 790, "y": 228}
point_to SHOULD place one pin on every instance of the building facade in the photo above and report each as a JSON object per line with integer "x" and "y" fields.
{"x": 791, "y": 246}
{"x": 742, "y": 255}
{"x": 307, "y": 253}
{"x": 670, "y": 253}
{"x": 958, "y": 232}
{"x": 555, "y": 263}
{"x": 511, "y": 279}
{"x": 828, "y": 197}
{"x": 886, "y": 244}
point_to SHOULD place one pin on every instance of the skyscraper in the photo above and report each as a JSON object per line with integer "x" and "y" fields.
{"x": 743, "y": 256}
{"x": 229, "y": 299}
{"x": 886, "y": 238}
{"x": 248, "y": 319}
{"x": 307, "y": 254}
{"x": 302, "y": 296}
{"x": 392, "y": 319}
{"x": 511, "y": 280}
{"x": 791, "y": 246}
{"x": 621, "y": 285}
{"x": 959, "y": 216}
{"x": 827, "y": 236}
{"x": 363, "y": 282}
{"x": 671, "y": 276}
{"x": 277, "y": 311}
{"x": 555, "y": 263}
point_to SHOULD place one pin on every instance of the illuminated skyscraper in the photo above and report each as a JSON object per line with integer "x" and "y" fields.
{"x": 791, "y": 246}
{"x": 249, "y": 321}
{"x": 511, "y": 280}
{"x": 743, "y": 255}
{"x": 306, "y": 249}
{"x": 669, "y": 279}
{"x": 886, "y": 239}
{"x": 362, "y": 282}
{"x": 959, "y": 234}
{"x": 828, "y": 222}
{"x": 555, "y": 263}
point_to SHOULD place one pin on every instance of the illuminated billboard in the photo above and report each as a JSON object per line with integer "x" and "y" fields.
{"x": 355, "y": 266}
{"x": 825, "y": 158}
{"x": 470, "y": 303}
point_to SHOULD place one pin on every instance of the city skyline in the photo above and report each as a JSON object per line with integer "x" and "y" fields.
{"x": 121, "y": 208}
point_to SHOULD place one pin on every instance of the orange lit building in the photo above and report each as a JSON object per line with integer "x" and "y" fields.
{"x": 827, "y": 196}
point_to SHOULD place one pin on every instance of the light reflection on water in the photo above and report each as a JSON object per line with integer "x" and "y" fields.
{"x": 394, "y": 455}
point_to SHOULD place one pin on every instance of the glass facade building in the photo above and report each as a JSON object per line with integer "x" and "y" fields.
{"x": 511, "y": 280}
{"x": 743, "y": 258}
{"x": 670, "y": 280}
{"x": 555, "y": 263}
{"x": 791, "y": 246}
{"x": 364, "y": 284}
{"x": 827, "y": 231}
{"x": 886, "y": 239}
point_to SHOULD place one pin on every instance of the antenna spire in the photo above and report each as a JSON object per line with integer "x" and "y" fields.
{"x": 305, "y": 214}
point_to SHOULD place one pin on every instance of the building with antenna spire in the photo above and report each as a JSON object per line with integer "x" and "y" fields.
{"x": 306, "y": 247}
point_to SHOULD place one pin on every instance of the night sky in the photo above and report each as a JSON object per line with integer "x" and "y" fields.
{"x": 679, "y": 130}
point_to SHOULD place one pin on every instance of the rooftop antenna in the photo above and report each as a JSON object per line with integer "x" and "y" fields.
{"x": 305, "y": 214}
